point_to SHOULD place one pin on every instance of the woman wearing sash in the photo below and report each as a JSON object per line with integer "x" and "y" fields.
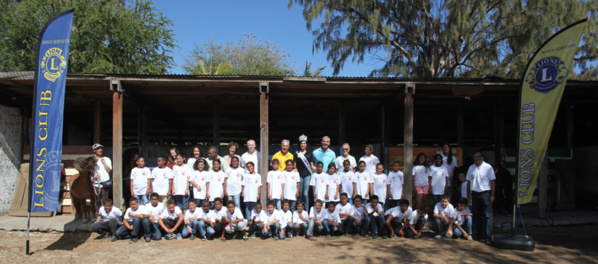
{"x": 305, "y": 166}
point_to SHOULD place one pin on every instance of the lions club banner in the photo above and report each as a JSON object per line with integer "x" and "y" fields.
{"x": 542, "y": 87}
{"x": 48, "y": 108}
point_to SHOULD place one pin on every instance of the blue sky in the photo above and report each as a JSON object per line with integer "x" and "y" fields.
{"x": 270, "y": 20}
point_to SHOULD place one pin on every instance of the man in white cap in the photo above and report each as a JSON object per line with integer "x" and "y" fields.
{"x": 101, "y": 174}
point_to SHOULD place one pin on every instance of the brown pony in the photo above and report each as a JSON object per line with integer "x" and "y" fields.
{"x": 81, "y": 189}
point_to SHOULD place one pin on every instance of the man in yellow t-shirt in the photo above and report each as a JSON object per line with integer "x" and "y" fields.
{"x": 283, "y": 155}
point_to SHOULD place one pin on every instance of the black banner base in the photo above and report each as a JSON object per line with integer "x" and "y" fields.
{"x": 517, "y": 242}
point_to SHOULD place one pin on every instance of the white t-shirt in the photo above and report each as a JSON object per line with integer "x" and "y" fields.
{"x": 380, "y": 186}
{"x": 297, "y": 219}
{"x": 201, "y": 178}
{"x": 261, "y": 216}
{"x": 246, "y": 157}
{"x": 363, "y": 180}
{"x": 219, "y": 214}
{"x": 318, "y": 215}
{"x": 414, "y": 217}
{"x": 402, "y": 216}
{"x": 140, "y": 210}
{"x": 190, "y": 162}
{"x": 210, "y": 215}
{"x": 464, "y": 193}
{"x": 236, "y": 215}
{"x": 275, "y": 179}
{"x": 449, "y": 167}
{"x": 251, "y": 183}
{"x": 446, "y": 212}
{"x": 319, "y": 180}
{"x": 333, "y": 182}
{"x": 172, "y": 216}
{"x": 114, "y": 213}
{"x": 216, "y": 184}
{"x": 274, "y": 216}
{"x": 461, "y": 219}
{"x": 101, "y": 170}
{"x": 285, "y": 218}
{"x": 480, "y": 177}
{"x": 371, "y": 211}
{"x": 421, "y": 174}
{"x": 358, "y": 213}
{"x": 344, "y": 209}
{"x": 439, "y": 179}
{"x": 140, "y": 176}
{"x": 370, "y": 163}
{"x": 162, "y": 177}
{"x": 234, "y": 183}
{"x": 347, "y": 180}
{"x": 291, "y": 178}
{"x": 189, "y": 214}
{"x": 332, "y": 217}
{"x": 154, "y": 211}
{"x": 396, "y": 180}
{"x": 340, "y": 160}
{"x": 181, "y": 175}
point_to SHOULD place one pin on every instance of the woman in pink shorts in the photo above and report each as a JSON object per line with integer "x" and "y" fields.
{"x": 422, "y": 177}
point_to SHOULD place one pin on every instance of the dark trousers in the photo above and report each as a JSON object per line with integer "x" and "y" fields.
{"x": 441, "y": 225}
{"x": 255, "y": 228}
{"x": 170, "y": 223}
{"x": 396, "y": 225}
{"x": 138, "y": 224}
{"x": 104, "y": 227}
{"x": 483, "y": 215}
{"x": 377, "y": 223}
{"x": 346, "y": 224}
{"x": 218, "y": 227}
{"x": 409, "y": 233}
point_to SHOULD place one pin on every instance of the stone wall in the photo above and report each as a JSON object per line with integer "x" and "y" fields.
{"x": 10, "y": 154}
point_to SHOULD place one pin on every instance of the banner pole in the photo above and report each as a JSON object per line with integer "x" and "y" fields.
{"x": 28, "y": 225}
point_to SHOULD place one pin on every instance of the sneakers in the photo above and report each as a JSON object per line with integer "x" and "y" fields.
{"x": 448, "y": 236}
{"x": 179, "y": 237}
{"x": 328, "y": 235}
{"x": 148, "y": 239}
{"x": 203, "y": 238}
{"x": 192, "y": 237}
{"x": 114, "y": 238}
{"x": 488, "y": 242}
{"x": 264, "y": 237}
{"x": 290, "y": 235}
{"x": 375, "y": 237}
{"x": 384, "y": 237}
{"x": 437, "y": 236}
{"x": 133, "y": 240}
{"x": 469, "y": 238}
{"x": 347, "y": 235}
{"x": 107, "y": 235}
{"x": 275, "y": 238}
{"x": 394, "y": 237}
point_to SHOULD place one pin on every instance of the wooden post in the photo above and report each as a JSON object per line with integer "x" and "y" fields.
{"x": 341, "y": 125}
{"x": 264, "y": 140}
{"x": 543, "y": 187}
{"x": 117, "y": 148}
{"x": 408, "y": 143}
{"x": 460, "y": 129}
{"x": 96, "y": 122}
{"x": 216, "y": 123}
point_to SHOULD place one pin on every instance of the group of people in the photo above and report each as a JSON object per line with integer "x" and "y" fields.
{"x": 349, "y": 196}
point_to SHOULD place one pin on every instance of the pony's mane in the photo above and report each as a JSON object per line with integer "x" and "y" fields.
{"x": 85, "y": 164}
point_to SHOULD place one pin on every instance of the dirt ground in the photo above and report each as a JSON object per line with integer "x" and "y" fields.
{"x": 559, "y": 244}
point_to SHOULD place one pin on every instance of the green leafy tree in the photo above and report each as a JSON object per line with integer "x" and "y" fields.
{"x": 440, "y": 39}
{"x": 248, "y": 56}
{"x": 107, "y": 36}
{"x": 308, "y": 72}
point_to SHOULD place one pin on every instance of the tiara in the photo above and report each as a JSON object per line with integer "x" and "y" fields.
{"x": 302, "y": 138}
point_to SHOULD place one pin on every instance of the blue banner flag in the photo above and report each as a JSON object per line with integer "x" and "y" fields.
{"x": 48, "y": 112}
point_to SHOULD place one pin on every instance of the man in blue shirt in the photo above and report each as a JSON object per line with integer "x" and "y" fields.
{"x": 324, "y": 154}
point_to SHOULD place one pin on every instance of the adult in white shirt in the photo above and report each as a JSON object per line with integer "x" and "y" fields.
{"x": 195, "y": 155}
{"x": 370, "y": 159}
{"x": 101, "y": 174}
{"x": 345, "y": 156}
{"x": 213, "y": 155}
{"x": 481, "y": 181}
{"x": 111, "y": 219}
{"x": 252, "y": 155}
{"x": 232, "y": 150}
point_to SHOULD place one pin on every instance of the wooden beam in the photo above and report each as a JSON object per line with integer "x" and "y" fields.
{"x": 117, "y": 149}
{"x": 264, "y": 140}
{"x": 96, "y": 122}
{"x": 216, "y": 122}
{"x": 408, "y": 149}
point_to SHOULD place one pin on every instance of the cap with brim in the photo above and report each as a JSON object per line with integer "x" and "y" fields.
{"x": 97, "y": 145}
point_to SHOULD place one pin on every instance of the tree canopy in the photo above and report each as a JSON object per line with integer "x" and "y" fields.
{"x": 107, "y": 36}
{"x": 248, "y": 56}
{"x": 444, "y": 39}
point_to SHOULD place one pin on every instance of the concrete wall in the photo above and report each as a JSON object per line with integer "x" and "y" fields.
{"x": 10, "y": 154}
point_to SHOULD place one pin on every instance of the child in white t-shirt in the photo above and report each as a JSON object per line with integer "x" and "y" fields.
{"x": 256, "y": 220}
{"x": 292, "y": 182}
{"x": 133, "y": 222}
{"x": 200, "y": 180}
{"x": 154, "y": 209}
{"x": 316, "y": 218}
{"x": 334, "y": 185}
{"x": 234, "y": 182}
{"x": 235, "y": 222}
{"x": 347, "y": 180}
{"x": 319, "y": 182}
{"x": 363, "y": 182}
{"x": 171, "y": 220}
{"x": 217, "y": 183}
{"x": 463, "y": 221}
{"x": 220, "y": 218}
{"x": 300, "y": 220}
{"x": 345, "y": 212}
{"x": 376, "y": 213}
{"x": 111, "y": 219}
{"x": 252, "y": 186}
{"x": 191, "y": 221}
{"x": 180, "y": 191}
{"x": 271, "y": 225}
{"x": 207, "y": 220}
{"x": 285, "y": 218}
{"x": 332, "y": 221}
{"x": 398, "y": 218}
{"x": 140, "y": 181}
{"x": 380, "y": 186}
{"x": 161, "y": 180}
{"x": 275, "y": 182}
{"x": 416, "y": 223}
{"x": 422, "y": 179}
{"x": 360, "y": 216}
{"x": 440, "y": 178}
{"x": 395, "y": 185}
{"x": 443, "y": 216}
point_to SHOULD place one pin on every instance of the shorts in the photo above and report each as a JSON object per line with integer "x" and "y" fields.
{"x": 422, "y": 189}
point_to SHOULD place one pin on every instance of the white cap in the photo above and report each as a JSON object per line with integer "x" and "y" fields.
{"x": 302, "y": 138}
{"x": 97, "y": 145}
